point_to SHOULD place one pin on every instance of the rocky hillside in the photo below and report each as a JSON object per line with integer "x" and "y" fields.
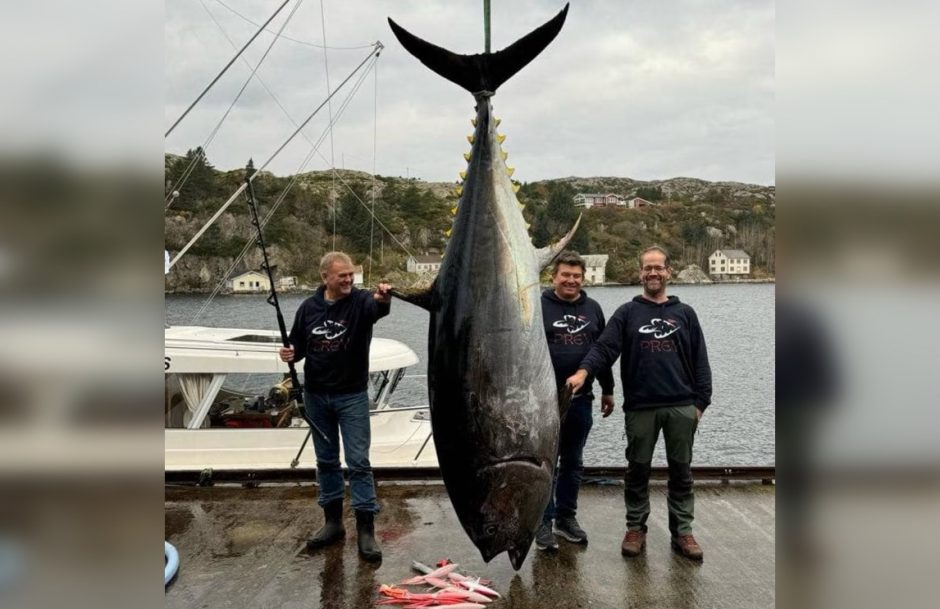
{"x": 690, "y": 217}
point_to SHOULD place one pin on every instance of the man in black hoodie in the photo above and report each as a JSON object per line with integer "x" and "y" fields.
{"x": 332, "y": 331}
{"x": 667, "y": 385}
{"x": 572, "y": 324}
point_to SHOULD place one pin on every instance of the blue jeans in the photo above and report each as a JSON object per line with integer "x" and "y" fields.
{"x": 574, "y": 432}
{"x": 346, "y": 414}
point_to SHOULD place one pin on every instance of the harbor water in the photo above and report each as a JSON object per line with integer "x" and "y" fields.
{"x": 738, "y": 321}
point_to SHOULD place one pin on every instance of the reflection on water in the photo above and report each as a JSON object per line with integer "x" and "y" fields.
{"x": 738, "y": 321}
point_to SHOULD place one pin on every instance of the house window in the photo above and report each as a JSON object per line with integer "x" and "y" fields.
{"x": 241, "y": 284}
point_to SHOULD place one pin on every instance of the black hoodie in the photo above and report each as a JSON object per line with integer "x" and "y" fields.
{"x": 663, "y": 360}
{"x": 571, "y": 327}
{"x": 334, "y": 338}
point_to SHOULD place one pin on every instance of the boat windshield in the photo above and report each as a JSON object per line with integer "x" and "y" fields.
{"x": 255, "y": 338}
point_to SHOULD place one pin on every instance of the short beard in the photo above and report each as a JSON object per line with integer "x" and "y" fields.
{"x": 662, "y": 288}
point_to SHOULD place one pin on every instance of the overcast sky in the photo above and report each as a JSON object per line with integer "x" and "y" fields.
{"x": 639, "y": 89}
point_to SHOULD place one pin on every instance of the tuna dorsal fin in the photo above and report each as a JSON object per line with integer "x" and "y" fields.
{"x": 484, "y": 71}
{"x": 564, "y": 401}
{"x": 419, "y": 298}
{"x": 546, "y": 254}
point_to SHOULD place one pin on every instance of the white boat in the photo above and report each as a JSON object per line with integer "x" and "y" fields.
{"x": 211, "y": 427}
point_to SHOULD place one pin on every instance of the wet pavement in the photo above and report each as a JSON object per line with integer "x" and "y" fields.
{"x": 245, "y": 547}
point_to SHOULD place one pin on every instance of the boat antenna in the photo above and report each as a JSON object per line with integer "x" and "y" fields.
{"x": 296, "y": 391}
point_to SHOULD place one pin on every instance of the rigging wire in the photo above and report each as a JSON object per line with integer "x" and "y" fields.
{"x": 225, "y": 69}
{"x": 375, "y": 104}
{"x": 218, "y": 125}
{"x": 326, "y": 65}
{"x": 378, "y": 48}
{"x": 283, "y": 195}
{"x": 285, "y": 37}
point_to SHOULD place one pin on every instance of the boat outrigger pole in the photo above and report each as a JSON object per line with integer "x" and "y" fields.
{"x": 296, "y": 391}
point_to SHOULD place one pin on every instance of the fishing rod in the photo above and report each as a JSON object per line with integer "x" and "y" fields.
{"x": 296, "y": 391}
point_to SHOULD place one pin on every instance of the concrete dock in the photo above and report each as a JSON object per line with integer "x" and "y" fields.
{"x": 245, "y": 547}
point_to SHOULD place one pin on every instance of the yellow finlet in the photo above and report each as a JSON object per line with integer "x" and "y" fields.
{"x": 466, "y": 156}
{"x": 463, "y": 175}
{"x": 500, "y": 138}
{"x": 521, "y": 206}
{"x": 497, "y": 121}
{"x": 458, "y": 191}
{"x": 516, "y": 186}
{"x": 473, "y": 121}
{"x": 470, "y": 139}
{"x": 453, "y": 210}
{"x": 527, "y": 226}
{"x": 504, "y": 154}
{"x": 448, "y": 231}
{"x": 510, "y": 170}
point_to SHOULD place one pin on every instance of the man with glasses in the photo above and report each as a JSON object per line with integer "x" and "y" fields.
{"x": 666, "y": 386}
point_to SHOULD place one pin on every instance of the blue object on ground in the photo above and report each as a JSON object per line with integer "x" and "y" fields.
{"x": 172, "y": 562}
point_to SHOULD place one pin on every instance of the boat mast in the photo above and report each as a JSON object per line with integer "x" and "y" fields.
{"x": 486, "y": 25}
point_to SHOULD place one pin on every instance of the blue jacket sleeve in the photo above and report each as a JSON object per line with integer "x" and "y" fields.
{"x": 376, "y": 310}
{"x": 606, "y": 349}
{"x": 605, "y": 376}
{"x": 702, "y": 370}
{"x": 296, "y": 336}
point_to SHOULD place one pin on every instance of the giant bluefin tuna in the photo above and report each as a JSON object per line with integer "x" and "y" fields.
{"x": 495, "y": 410}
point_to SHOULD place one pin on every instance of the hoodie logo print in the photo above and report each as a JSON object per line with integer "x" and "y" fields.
{"x": 572, "y": 324}
{"x": 660, "y": 328}
{"x": 330, "y": 329}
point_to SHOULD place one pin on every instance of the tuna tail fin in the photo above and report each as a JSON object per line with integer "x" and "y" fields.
{"x": 485, "y": 71}
{"x": 545, "y": 255}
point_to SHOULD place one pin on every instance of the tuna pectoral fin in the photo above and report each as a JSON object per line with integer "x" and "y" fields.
{"x": 545, "y": 255}
{"x": 486, "y": 71}
{"x": 420, "y": 298}
{"x": 564, "y": 400}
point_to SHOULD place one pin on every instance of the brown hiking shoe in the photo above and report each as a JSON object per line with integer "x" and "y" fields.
{"x": 688, "y": 547}
{"x": 633, "y": 543}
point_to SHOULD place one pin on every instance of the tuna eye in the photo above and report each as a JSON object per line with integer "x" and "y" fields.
{"x": 490, "y": 530}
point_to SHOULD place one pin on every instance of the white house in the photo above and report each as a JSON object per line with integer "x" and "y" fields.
{"x": 250, "y": 282}
{"x": 589, "y": 200}
{"x": 596, "y": 268}
{"x": 428, "y": 263}
{"x": 729, "y": 262}
{"x": 286, "y": 283}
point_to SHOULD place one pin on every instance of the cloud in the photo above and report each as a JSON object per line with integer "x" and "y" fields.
{"x": 627, "y": 89}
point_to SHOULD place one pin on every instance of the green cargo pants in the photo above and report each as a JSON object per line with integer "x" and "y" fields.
{"x": 678, "y": 424}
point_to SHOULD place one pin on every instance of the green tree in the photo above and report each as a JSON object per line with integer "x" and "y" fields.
{"x": 693, "y": 232}
{"x": 559, "y": 216}
{"x": 353, "y": 220}
{"x": 650, "y": 193}
{"x": 194, "y": 178}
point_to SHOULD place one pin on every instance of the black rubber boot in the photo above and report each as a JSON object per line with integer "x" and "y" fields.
{"x": 332, "y": 530}
{"x": 365, "y": 529}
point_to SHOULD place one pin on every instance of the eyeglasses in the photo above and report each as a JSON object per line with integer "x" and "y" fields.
{"x": 650, "y": 269}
